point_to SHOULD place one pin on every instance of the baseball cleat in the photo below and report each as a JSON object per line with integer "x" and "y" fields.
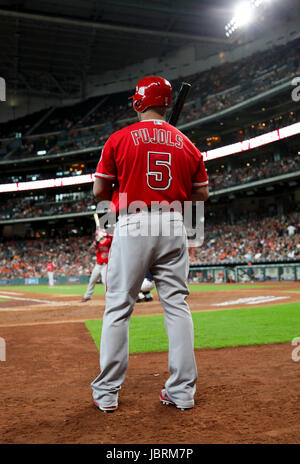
{"x": 166, "y": 400}
{"x": 140, "y": 298}
{"x": 148, "y": 297}
{"x": 106, "y": 409}
{"x": 84, "y": 300}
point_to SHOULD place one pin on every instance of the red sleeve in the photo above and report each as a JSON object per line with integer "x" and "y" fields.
{"x": 200, "y": 176}
{"x": 106, "y": 242}
{"x": 107, "y": 167}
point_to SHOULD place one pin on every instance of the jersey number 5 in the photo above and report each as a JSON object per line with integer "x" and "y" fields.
{"x": 159, "y": 170}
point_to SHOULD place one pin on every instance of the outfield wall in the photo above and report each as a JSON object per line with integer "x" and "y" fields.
{"x": 248, "y": 273}
{"x": 44, "y": 280}
{"x": 215, "y": 274}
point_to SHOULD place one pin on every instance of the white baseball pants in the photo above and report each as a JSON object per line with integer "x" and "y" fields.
{"x": 51, "y": 278}
{"x": 99, "y": 270}
{"x": 166, "y": 256}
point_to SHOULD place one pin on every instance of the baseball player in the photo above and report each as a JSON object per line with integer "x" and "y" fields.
{"x": 150, "y": 162}
{"x": 50, "y": 271}
{"x": 102, "y": 244}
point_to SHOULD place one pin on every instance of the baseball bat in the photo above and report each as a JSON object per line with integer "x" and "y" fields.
{"x": 96, "y": 217}
{"x": 183, "y": 92}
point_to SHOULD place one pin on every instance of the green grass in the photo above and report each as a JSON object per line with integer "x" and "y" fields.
{"x": 216, "y": 329}
{"x": 3, "y": 299}
{"x": 79, "y": 289}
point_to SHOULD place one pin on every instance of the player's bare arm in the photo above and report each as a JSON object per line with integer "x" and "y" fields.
{"x": 102, "y": 189}
{"x": 200, "y": 194}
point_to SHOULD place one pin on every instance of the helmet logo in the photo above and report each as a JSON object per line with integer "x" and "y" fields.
{"x": 141, "y": 91}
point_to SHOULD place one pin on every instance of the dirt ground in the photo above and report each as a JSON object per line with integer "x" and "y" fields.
{"x": 37, "y": 307}
{"x": 244, "y": 395}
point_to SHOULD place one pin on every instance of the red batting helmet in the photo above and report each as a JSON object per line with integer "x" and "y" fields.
{"x": 152, "y": 91}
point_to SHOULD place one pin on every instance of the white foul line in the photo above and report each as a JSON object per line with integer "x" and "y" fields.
{"x": 252, "y": 300}
{"x": 27, "y": 299}
{"x": 13, "y": 293}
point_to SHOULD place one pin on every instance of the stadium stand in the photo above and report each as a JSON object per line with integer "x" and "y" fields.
{"x": 90, "y": 122}
{"x": 249, "y": 240}
{"x": 277, "y": 239}
{"x": 261, "y": 169}
{"x": 43, "y": 204}
{"x": 70, "y": 130}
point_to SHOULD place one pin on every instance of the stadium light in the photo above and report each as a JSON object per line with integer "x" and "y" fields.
{"x": 244, "y": 14}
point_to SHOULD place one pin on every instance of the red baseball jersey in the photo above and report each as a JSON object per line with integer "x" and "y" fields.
{"x": 50, "y": 267}
{"x": 151, "y": 161}
{"x": 102, "y": 251}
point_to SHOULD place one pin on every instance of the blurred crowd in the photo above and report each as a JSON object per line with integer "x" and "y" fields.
{"x": 95, "y": 137}
{"x": 79, "y": 126}
{"x": 275, "y": 238}
{"x": 49, "y": 205}
{"x": 250, "y": 131}
{"x": 232, "y": 83}
{"x": 70, "y": 256}
{"x": 260, "y": 170}
{"x": 27, "y": 208}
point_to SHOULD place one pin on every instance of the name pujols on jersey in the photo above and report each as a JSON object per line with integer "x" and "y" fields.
{"x": 155, "y": 135}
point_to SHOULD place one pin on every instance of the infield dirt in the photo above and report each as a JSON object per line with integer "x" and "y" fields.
{"x": 62, "y": 308}
{"x": 244, "y": 395}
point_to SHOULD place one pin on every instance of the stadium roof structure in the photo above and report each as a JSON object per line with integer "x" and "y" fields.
{"x": 51, "y": 47}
